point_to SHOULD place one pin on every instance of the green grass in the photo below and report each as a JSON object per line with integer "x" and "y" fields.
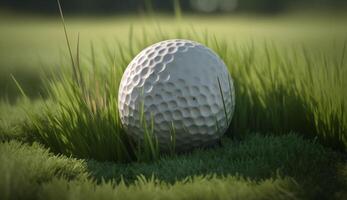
{"x": 277, "y": 90}
{"x": 23, "y": 168}
{"x": 288, "y": 73}
{"x": 258, "y": 167}
{"x": 193, "y": 188}
{"x": 30, "y": 44}
{"x": 13, "y": 119}
{"x": 257, "y": 158}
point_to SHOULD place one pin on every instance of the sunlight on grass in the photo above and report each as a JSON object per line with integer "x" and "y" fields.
{"x": 289, "y": 76}
{"x": 275, "y": 92}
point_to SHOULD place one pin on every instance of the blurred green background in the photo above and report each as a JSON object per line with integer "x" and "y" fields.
{"x": 32, "y": 38}
{"x": 207, "y": 6}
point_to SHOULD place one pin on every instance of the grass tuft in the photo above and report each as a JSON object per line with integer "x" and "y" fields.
{"x": 275, "y": 92}
{"x": 24, "y": 168}
{"x": 191, "y": 188}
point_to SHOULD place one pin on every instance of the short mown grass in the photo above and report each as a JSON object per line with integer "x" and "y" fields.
{"x": 24, "y": 168}
{"x": 259, "y": 167}
{"x": 191, "y": 188}
{"x": 257, "y": 158}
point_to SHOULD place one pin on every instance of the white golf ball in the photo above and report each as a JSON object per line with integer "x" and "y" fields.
{"x": 178, "y": 89}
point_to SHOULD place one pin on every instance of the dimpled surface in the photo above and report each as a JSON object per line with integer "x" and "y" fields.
{"x": 174, "y": 84}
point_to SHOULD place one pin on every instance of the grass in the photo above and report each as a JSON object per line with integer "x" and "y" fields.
{"x": 193, "y": 188}
{"x": 30, "y": 44}
{"x": 86, "y": 123}
{"x": 13, "y": 117}
{"x": 281, "y": 87}
{"x": 257, "y": 158}
{"x": 23, "y": 168}
{"x": 259, "y": 167}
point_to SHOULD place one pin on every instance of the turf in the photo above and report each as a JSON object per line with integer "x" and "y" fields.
{"x": 256, "y": 157}
{"x": 259, "y": 167}
{"x": 23, "y": 168}
{"x": 287, "y": 139}
{"x": 194, "y": 188}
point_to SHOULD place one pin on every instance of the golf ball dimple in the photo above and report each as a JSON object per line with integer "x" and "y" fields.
{"x": 178, "y": 84}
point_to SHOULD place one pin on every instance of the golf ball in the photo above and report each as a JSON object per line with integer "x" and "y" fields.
{"x": 178, "y": 90}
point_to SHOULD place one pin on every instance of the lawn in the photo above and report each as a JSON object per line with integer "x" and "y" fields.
{"x": 287, "y": 140}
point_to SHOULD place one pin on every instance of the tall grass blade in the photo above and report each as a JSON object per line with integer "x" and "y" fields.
{"x": 19, "y": 87}
{"x": 67, "y": 41}
{"x": 222, "y": 95}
